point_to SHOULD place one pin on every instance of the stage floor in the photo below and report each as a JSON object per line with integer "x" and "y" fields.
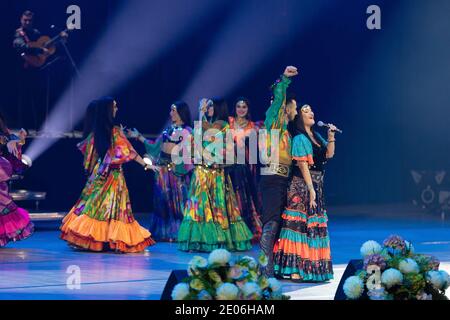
{"x": 37, "y": 267}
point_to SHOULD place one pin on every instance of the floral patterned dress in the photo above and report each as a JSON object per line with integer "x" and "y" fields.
{"x": 102, "y": 218}
{"x": 212, "y": 218}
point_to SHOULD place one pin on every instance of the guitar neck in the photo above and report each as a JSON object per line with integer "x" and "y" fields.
{"x": 52, "y": 40}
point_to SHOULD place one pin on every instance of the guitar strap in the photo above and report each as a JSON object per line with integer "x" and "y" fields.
{"x": 27, "y": 40}
{"x": 24, "y": 35}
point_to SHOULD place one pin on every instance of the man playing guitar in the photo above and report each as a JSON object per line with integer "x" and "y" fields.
{"x": 33, "y": 51}
{"x": 26, "y": 34}
{"x": 31, "y": 46}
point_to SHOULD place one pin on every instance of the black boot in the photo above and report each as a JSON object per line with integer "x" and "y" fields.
{"x": 268, "y": 238}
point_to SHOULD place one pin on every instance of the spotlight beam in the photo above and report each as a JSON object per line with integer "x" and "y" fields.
{"x": 254, "y": 33}
{"x": 141, "y": 32}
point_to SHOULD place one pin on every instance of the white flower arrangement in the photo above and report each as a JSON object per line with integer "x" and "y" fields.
{"x": 438, "y": 279}
{"x": 407, "y": 275}
{"x": 180, "y": 291}
{"x": 227, "y": 291}
{"x": 251, "y": 289}
{"x": 220, "y": 278}
{"x": 370, "y": 247}
{"x": 391, "y": 277}
{"x": 219, "y": 257}
{"x": 408, "y": 265}
{"x": 353, "y": 287}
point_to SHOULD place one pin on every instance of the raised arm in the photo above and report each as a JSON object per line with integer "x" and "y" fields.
{"x": 153, "y": 148}
{"x": 274, "y": 113}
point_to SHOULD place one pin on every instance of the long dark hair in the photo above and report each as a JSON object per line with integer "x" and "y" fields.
{"x": 297, "y": 126}
{"x": 184, "y": 112}
{"x": 248, "y": 116}
{"x": 89, "y": 118}
{"x": 220, "y": 109}
{"x": 103, "y": 125}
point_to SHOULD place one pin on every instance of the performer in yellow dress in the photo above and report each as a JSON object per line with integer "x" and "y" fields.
{"x": 102, "y": 218}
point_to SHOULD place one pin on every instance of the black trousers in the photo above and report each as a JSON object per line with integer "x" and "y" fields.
{"x": 274, "y": 197}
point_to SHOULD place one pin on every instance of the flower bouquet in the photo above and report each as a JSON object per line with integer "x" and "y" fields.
{"x": 219, "y": 278}
{"x": 394, "y": 271}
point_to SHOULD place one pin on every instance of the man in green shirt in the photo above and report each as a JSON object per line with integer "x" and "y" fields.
{"x": 275, "y": 176}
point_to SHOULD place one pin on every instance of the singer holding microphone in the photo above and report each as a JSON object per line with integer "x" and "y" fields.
{"x": 302, "y": 252}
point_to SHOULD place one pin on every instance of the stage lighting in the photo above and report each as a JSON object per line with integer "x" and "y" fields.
{"x": 26, "y": 160}
{"x": 122, "y": 44}
{"x": 147, "y": 159}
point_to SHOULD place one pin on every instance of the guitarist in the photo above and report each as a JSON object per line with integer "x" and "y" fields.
{"x": 31, "y": 83}
{"x": 25, "y": 34}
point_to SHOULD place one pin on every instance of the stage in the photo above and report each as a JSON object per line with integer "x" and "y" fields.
{"x": 36, "y": 268}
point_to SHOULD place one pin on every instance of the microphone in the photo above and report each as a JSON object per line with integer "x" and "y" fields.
{"x": 321, "y": 124}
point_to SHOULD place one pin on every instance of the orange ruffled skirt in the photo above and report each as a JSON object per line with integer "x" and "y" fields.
{"x": 102, "y": 218}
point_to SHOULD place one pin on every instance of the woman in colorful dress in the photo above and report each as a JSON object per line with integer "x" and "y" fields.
{"x": 171, "y": 180}
{"x": 243, "y": 174}
{"x": 15, "y": 222}
{"x": 302, "y": 252}
{"x": 102, "y": 218}
{"x": 212, "y": 218}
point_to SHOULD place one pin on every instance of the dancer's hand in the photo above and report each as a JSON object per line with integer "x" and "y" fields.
{"x": 155, "y": 168}
{"x": 203, "y": 105}
{"x": 312, "y": 199}
{"x": 134, "y": 133}
{"x": 290, "y": 71}
{"x": 151, "y": 167}
{"x": 12, "y": 148}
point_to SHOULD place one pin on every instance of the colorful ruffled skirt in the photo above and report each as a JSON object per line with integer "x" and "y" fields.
{"x": 170, "y": 194}
{"x": 102, "y": 218}
{"x": 303, "y": 248}
{"x": 15, "y": 222}
{"x": 244, "y": 184}
{"x": 212, "y": 218}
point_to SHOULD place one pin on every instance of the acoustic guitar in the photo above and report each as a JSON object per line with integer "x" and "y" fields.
{"x": 43, "y": 42}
